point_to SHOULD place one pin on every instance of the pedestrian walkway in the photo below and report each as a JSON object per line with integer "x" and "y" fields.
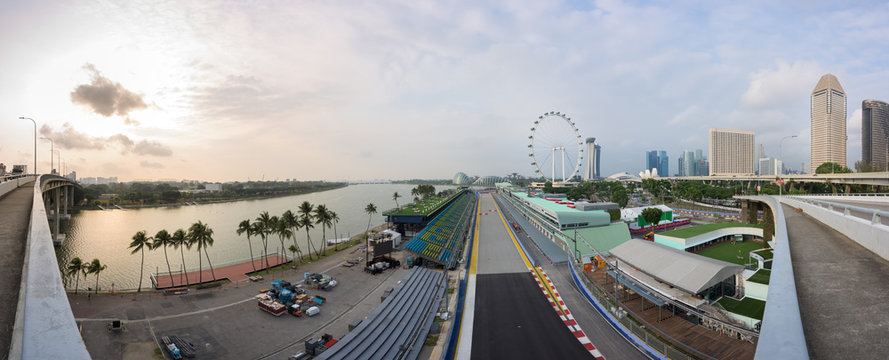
{"x": 236, "y": 272}
{"x": 15, "y": 216}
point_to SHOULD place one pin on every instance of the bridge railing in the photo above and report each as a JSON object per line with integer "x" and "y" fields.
{"x": 871, "y": 233}
{"x": 876, "y": 215}
{"x": 44, "y": 326}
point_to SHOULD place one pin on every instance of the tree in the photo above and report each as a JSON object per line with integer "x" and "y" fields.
{"x": 283, "y": 231}
{"x": 322, "y": 217}
{"x": 180, "y": 240}
{"x": 619, "y": 196}
{"x": 139, "y": 243}
{"x": 614, "y": 214}
{"x": 76, "y": 267}
{"x": 293, "y": 223}
{"x": 162, "y": 239}
{"x": 370, "y": 210}
{"x": 263, "y": 225}
{"x": 96, "y": 267}
{"x": 548, "y": 187}
{"x": 244, "y": 227}
{"x": 202, "y": 235}
{"x": 652, "y": 215}
{"x": 335, "y": 218}
{"x": 306, "y": 222}
{"x": 395, "y": 197}
{"x": 832, "y": 168}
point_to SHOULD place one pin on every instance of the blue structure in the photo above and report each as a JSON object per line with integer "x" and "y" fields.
{"x": 439, "y": 241}
{"x": 658, "y": 160}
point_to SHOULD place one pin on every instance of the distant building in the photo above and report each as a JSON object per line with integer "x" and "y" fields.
{"x": 828, "y": 123}
{"x": 875, "y": 134}
{"x": 215, "y": 187}
{"x": 462, "y": 179}
{"x": 732, "y": 152}
{"x": 657, "y": 160}
{"x": 770, "y": 166}
{"x": 593, "y": 160}
{"x": 72, "y": 176}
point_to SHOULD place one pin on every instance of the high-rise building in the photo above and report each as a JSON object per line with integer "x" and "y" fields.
{"x": 688, "y": 163}
{"x": 875, "y": 134}
{"x": 732, "y": 152}
{"x": 699, "y": 169}
{"x": 770, "y": 166}
{"x": 828, "y": 122}
{"x": 651, "y": 161}
{"x": 663, "y": 166}
{"x": 593, "y": 151}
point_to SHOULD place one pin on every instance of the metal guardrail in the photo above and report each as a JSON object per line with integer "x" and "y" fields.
{"x": 854, "y": 194}
{"x": 876, "y": 215}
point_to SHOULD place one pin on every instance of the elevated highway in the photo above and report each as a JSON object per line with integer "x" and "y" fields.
{"x": 35, "y": 320}
{"x": 873, "y": 178}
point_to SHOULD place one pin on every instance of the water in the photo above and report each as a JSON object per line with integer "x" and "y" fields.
{"x": 105, "y": 235}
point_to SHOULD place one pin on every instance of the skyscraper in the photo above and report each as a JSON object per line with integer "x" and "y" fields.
{"x": 875, "y": 134}
{"x": 593, "y": 151}
{"x": 651, "y": 161}
{"x": 688, "y": 163}
{"x": 828, "y": 122}
{"x": 663, "y": 166}
{"x": 732, "y": 152}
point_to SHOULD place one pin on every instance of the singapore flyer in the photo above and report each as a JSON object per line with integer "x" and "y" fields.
{"x": 555, "y": 149}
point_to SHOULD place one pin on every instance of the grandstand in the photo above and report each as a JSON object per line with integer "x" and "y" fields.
{"x": 441, "y": 240}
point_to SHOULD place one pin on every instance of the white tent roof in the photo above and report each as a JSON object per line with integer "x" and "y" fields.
{"x": 689, "y": 272}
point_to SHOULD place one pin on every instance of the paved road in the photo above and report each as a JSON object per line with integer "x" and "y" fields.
{"x": 842, "y": 289}
{"x": 513, "y": 320}
{"x": 15, "y": 215}
{"x": 607, "y": 340}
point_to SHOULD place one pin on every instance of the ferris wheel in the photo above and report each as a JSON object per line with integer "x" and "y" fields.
{"x": 555, "y": 144}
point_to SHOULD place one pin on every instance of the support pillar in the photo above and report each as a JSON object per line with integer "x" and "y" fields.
{"x": 58, "y": 194}
{"x": 848, "y": 189}
{"x": 65, "y": 202}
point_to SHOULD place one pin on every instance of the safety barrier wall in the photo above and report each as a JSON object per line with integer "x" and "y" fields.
{"x": 873, "y": 236}
{"x": 11, "y": 183}
{"x": 44, "y": 326}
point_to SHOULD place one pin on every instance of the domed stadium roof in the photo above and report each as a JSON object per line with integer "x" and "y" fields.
{"x": 461, "y": 179}
{"x": 489, "y": 180}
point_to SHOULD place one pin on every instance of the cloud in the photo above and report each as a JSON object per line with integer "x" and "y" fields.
{"x": 684, "y": 116}
{"x": 151, "y": 165}
{"x": 774, "y": 88}
{"x": 72, "y": 139}
{"x": 107, "y": 98}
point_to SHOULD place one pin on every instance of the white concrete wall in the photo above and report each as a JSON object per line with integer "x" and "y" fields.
{"x": 747, "y": 321}
{"x": 874, "y": 237}
{"x": 11, "y": 185}
{"x": 756, "y": 290}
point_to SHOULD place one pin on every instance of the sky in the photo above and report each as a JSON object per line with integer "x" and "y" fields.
{"x": 350, "y": 90}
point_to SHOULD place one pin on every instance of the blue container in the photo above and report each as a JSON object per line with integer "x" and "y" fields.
{"x": 277, "y": 284}
{"x": 285, "y": 296}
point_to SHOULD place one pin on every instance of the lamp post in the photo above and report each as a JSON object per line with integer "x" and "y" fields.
{"x": 35, "y": 141}
{"x": 781, "y": 152}
{"x": 52, "y": 147}
{"x": 59, "y": 154}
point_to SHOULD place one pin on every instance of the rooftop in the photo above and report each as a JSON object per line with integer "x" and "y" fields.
{"x": 603, "y": 238}
{"x": 693, "y": 231}
{"x": 748, "y": 307}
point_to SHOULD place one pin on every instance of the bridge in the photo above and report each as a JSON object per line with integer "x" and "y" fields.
{"x": 37, "y": 322}
{"x": 871, "y": 178}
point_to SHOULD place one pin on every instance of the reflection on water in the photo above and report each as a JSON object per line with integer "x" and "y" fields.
{"x": 106, "y": 234}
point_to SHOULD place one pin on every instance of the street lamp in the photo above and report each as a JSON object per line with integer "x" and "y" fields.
{"x": 35, "y": 141}
{"x": 52, "y": 146}
{"x": 59, "y": 154}
{"x": 781, "y": 152}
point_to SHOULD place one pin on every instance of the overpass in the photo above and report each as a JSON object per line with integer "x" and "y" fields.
{"x": 831, "y": 259}
{"x": 36, "y": 317}
{"x": 871, "y": 178}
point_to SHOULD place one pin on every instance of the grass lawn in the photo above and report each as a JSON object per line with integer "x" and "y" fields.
{"x": 728, "y": 252}
{"x": 748, "y": 307}
{"x": 765, "y": 253}
{"x": 693, "y": 231}
{"x": 762, "y": 276}
{"x": 423, "y": 207}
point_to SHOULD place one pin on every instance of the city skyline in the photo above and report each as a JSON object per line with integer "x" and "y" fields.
{"x": 226, "y": 92}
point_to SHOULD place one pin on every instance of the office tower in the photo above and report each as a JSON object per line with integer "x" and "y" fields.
{"x": 875, "y": 135}
{"x": 699, "y": 165}
{"x": 680, "y": 171}
{"x": 828, "y": 122}
{"x": 651, "y": 160}
{"x": 770, "y": 166}
{"x": 663, "y": 167}
{"x": 688, "y": 163}
{"x": 593, "y": 151}
{"x": 732, "y": 152}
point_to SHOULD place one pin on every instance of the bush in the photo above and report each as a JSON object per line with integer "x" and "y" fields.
{"x": 615, "y": 214}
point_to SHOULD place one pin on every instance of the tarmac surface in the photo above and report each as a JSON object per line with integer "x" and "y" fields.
{"x": 225, "y": 322}
{"x": 15, "y": 216}
{"x": 842, "y": 289}
{"x": 512, "y": 317}
{"x": 607, "y": 340}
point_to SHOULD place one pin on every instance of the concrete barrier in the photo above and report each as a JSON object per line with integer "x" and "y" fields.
{"x": 44, "y": 326}
{"x": 8, "y": 184}
{"x": 874, "y": 237}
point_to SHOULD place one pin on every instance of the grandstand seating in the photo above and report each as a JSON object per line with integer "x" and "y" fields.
{"x": 438, "y": 241}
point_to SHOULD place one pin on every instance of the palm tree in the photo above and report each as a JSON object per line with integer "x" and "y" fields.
{"x": 244, "y": 227}
{"x": 76, "y": 267}
{"x": 335, "y": 218}
{"x": 202, "y": 235}
{"x": 139, "y": 243}
{"x": 293, "y": 223}
{"x": 306, "y": 222}
{"x": 370, "y": 210}
{"x": 96, "y": 267}
{"x": 263, "y": 229}
{"x": 180, "y": 240}
{"x": 322, "y": 217}
{"x": 284, "y": 232}
{"x": 163, "y": 238}
{"x": 395, "y": 197}
{"x": 293, "y": 249}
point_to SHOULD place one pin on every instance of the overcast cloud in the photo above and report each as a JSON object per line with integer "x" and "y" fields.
{"x": 419, "y": 89}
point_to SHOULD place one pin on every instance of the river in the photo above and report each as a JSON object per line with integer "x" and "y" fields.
{"x": 105, "y": 235}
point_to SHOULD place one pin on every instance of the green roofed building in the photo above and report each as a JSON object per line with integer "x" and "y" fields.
{"x": 697, "y": 237}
